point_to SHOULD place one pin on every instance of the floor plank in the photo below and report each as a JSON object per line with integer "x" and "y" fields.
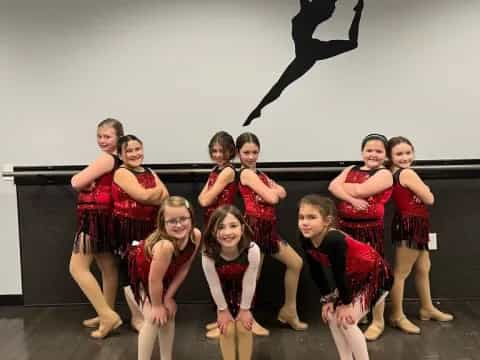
{"x": 42, "y": 333}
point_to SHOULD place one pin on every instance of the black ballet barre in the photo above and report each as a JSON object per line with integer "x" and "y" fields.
{"x": 13, "y": 174}
{"x": 326, "y": 170}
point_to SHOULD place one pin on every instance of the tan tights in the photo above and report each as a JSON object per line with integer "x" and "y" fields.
{"x": 405, "y": 260}
{"x": 236, "y": 338}
{"x": 293, "y": 262}
{"x": 80, "y": 263}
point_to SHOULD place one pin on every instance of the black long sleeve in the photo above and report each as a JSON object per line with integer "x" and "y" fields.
{"x": 318, "y": 273}
{"x": 330, "y": 256}
{"x": 334, "y": 246}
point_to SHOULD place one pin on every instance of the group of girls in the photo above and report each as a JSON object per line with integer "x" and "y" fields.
{"x": 363, "y": 192}
{"x": 146, "y": 239}
{"x": 117, "y": 206}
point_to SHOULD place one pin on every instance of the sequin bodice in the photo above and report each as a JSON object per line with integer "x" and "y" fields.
{"x": 376, "y": 208}
{"x": 360, "y": 258}
{"x": 232, "y": 270}
{"x": 177, "y": 262}
{"x": 226, "y": 197}
{"x": 125, "y": 206}
{"x": 139, "y": 267}
{"x": 254, "y": 204}
{"x": 406, "y": 202}
{"x": 100, "y": 197}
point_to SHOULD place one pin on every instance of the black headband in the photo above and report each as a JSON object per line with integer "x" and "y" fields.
{"x": 375, "y": 136}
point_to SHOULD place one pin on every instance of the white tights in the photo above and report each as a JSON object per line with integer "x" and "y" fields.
{"x": 350, "y": 341}
{"x": 149, "y": 333}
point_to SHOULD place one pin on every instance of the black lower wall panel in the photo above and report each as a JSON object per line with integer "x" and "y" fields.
{"x": 47, "y": 224}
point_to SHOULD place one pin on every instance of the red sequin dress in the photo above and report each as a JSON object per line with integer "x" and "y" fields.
{"x": 226, "y": 197}
{"x": 411, "y": 222}
{"x": 139, "y": 269}
{"x": 94, "y": 215}
{"x": 261, "y": 217}
{"x": 232, "y": 282}
{"x": 365, "y": 225}
{"x": 132, "y": 220}
{"x": 231, "y": 275}
{"x": 359, "y": 272}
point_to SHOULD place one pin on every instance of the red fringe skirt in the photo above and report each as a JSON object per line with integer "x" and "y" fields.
{"x": 127, "y": 230}
{"x": 138, "y": 271}
{"x": 370, "y": 289}
{"x": 265, "y": 234}
{"x": 411, "y": 230}
{"x": 94, "y": 232}
{"x": 370, "y": 232}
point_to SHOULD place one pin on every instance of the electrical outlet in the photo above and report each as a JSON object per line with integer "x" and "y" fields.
{"x": 432, "y": 241}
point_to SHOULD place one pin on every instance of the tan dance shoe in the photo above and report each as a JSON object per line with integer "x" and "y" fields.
{"x": 434, "y": 314}
{"x": 291, "y": 318}
{"x": 107, "y": 326}
{"x": 374, "y": 331}
{"x": 91, "y": 323}
{"x": 405, "y": 325}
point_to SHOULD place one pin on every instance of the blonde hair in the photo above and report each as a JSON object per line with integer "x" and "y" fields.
{"x": 114, "y": 123}
{"x": 160, "y": 232}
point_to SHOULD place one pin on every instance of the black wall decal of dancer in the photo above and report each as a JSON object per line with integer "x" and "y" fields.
{"x": 307, "y": 49}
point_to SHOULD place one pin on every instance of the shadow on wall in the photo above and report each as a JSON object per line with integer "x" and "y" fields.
{"x": 307, "y": 49}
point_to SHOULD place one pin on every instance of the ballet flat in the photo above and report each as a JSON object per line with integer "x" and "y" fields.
{"x": 107, "y": 327}
{"x": 91, "y": 323}
{"x": 373, "y": 332}
{"x": 405, "y": 325}
{"x": 292, "y": 320}
{"x": 434, "y": 314}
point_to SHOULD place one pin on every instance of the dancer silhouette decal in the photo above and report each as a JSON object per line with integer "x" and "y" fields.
{"x": 307, "y": 49}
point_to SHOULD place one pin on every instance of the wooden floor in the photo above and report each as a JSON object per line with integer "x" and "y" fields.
{"x": 55, "y": 333}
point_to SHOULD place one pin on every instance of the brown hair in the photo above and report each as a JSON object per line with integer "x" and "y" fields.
{"x": 212, "y": 247}
{"x": 245, "y": 138}
{"x": 325, "y": 206}
{"x": 124, "y": 140}
{"x": 225, "y": 140}
{"x": 160, "y": 232}
{"x": 397, "y": 140}
{"x": 394, "y": 141}
{"x": 114, "y": 123}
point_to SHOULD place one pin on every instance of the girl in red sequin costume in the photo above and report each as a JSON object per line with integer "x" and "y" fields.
{"x": 221, "y": 189}
{"x": 221, "y": 186}
{"x": 137, "y": 193}
{"x": 410, "y": 230}
{"x": 361, "y": 276}
{"x": 363, "y": 191}
{"x": 157, "y": 268}
{"x": 231, "y": 264}
{"x": 260, "y": 194}
{"x": 94, "y": 237}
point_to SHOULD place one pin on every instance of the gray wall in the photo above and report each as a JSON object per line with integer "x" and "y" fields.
{"x": 180, "y": 70}
{"x": 188, "y": 68}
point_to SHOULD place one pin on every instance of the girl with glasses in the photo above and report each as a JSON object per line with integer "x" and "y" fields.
{"x": 157, "y": 267}
{"x": 137, "y": 192}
